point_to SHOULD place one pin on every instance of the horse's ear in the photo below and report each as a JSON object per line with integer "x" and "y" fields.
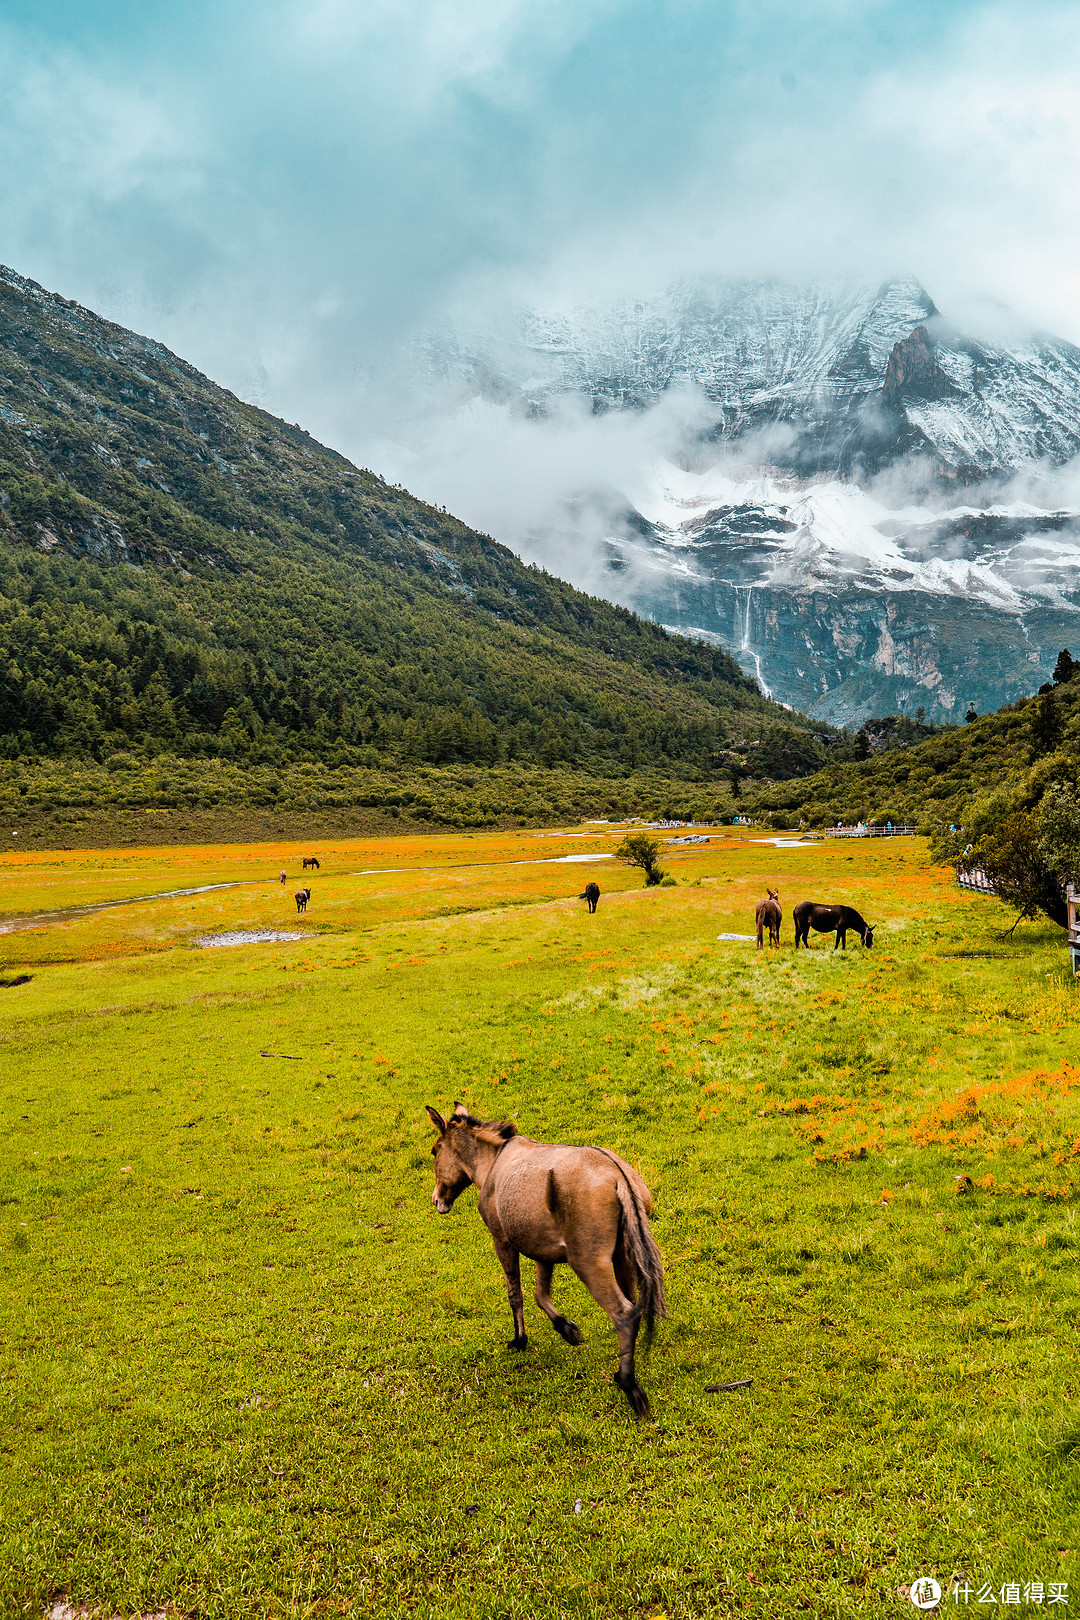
{"x": 436, "y": 1119}
{"x": 460, "y": 1112}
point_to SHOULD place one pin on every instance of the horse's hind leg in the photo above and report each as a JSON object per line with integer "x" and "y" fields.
{"x": 626, "y": 1318}
{"x": 562, "y": 1324}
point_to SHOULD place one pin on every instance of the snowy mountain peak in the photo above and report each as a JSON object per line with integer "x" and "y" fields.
{"x": 855, "y": 377}
{"x": 860, "y": 510}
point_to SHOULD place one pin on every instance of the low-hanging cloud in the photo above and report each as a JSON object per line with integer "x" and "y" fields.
{"x": 554, "y": 487}
{"x": 286, "y": 194}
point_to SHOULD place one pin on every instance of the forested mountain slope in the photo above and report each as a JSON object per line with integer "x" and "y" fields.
{"x": 181, "y": 572}
{"x": 1016, "y": 752}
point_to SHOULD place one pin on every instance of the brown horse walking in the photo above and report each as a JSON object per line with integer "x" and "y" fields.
{"x": 579, "y": 1206}
{"x": 591, "y": 893}
{"x": 769, "y": 915}
{"x": 302, "y": 896}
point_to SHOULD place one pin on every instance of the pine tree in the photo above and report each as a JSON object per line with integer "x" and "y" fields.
{"x": 1065, "y": 668}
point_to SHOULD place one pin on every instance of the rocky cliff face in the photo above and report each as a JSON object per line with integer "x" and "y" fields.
{"x": 856, "y": 537}
{"x": 844, "y": 607}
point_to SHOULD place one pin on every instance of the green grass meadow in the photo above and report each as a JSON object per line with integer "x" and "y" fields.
{"x": 249, "y": 1371}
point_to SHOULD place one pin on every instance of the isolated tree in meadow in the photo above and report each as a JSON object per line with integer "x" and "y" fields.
{"x": 1030, "y": 855}
{"x": 1010, "y": 855}
{"x": 638, "y": 849}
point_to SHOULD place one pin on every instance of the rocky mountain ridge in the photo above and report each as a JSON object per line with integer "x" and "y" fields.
{"x": 877, "y": 514}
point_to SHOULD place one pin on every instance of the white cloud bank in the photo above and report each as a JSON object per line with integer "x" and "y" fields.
{"x": 284, "y": 194}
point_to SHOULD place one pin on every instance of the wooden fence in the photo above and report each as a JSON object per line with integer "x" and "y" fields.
{"x": 899, "y": 829}
{"x": 974, "y": 878}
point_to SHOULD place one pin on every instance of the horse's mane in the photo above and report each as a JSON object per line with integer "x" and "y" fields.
{"x": 495, "y": 1127}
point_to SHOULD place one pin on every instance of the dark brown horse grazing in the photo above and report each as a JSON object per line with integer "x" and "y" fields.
{"x": 769, "y": 915}
{"x": 579, "y": 1206}
{"x": 592, "y": 895}
{"x": 302, "y": 896}
{"x": 311, "y": 860}
{"x": 830, "y": 920}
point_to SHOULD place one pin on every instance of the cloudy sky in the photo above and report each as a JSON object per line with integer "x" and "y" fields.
{"x": 282, "y": 192}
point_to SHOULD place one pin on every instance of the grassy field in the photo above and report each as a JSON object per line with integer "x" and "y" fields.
{"x": 248, "y": 1370}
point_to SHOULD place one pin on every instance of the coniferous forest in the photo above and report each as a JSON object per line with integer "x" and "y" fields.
{"x": 183, "y": 575}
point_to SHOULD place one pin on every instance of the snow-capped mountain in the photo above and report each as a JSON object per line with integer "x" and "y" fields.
{"x": 877, "y": 518}
{"x": 855, "y": 376}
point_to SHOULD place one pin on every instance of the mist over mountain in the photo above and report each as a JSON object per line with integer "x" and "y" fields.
{"x": 183, "y": 573}
{"x": 874, "y": 510}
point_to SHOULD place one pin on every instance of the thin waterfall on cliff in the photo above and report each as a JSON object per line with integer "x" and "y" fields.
{"x": 745, "y": 645}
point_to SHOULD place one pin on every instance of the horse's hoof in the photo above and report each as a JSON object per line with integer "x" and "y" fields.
{"x": 634, "y": 1394}
{"x": 569, "y": 1330}
{"x": 519, "y": 1344}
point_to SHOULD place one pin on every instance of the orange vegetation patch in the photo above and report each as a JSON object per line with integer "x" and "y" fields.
{"x": 837, "y": 1128}
{"x": 1036, "y": 1113}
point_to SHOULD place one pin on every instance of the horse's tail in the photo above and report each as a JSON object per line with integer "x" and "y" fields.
{"x": 646, "y": 1257}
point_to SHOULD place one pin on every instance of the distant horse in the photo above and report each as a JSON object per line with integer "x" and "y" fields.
{"x": 302, "y": 896}
{"x": 830, "y": 920}
{"x": 592, "y": 895}
{"x": 769, "y": 915}
{"x": 311, "y": 860}
{"x": 284, "y": 876}
{"x": 579, "y": 1206}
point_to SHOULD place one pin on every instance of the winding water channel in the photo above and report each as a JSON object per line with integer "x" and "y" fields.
{"x": 39, "y": 919}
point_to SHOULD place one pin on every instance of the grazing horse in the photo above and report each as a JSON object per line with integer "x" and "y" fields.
{"x": 769, "y": 915}
{"x": 284, "y": 876}
{"x": 579, "y": 1206}
{"x": 311, "y": 860}
{"x": 830, "y": 920}
{"x": 302, "y": 896}
{"x": 592, "y": 895}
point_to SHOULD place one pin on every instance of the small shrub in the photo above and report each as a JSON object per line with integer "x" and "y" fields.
{"x": 638, "y": 849}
